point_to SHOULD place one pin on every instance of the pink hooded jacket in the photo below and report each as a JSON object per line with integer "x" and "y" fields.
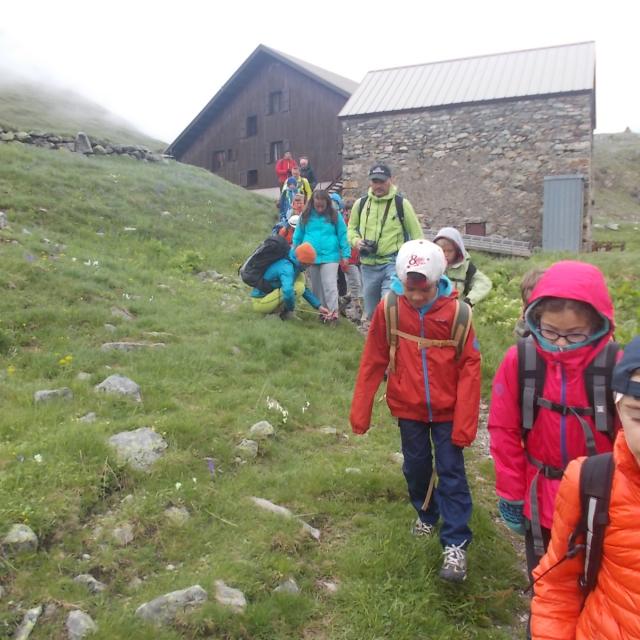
{"x": 554, "y": 439}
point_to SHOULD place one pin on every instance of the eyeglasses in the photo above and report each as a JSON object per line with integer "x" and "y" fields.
{"x": 571, "y": 338}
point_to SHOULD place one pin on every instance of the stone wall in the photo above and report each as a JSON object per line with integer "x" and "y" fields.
{"x": 81, "y": 143}
{"x": 477, "y": 163}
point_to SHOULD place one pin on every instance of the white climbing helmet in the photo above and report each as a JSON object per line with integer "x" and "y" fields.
{"x": 293, "y": 221}
{"x": 421, "y": 256}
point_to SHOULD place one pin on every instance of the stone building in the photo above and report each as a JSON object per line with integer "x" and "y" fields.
{"x": 471, "y": 141}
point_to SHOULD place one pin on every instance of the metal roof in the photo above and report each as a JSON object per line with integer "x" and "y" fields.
{"x": 220, "y": 100}
{"x": 559, "y": 69}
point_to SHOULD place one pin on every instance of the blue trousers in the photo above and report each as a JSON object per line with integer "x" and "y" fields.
{"x": 451, "y": 499}
{"x": 376, "y": 282}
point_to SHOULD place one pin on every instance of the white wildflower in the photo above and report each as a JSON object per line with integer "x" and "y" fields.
{"x": 38, "y": 458}
{"x": 178, "y": 485}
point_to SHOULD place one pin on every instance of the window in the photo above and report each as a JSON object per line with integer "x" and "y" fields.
{"x": 229, "y": 155}
{"x": 476, "y": 228}
{"x": 276, "y": 151}
{"x": 219, "y": 158}
{"x": 252, "y": 126}
{"x": 252, "y": 177}
{"x": 275, "y": 102}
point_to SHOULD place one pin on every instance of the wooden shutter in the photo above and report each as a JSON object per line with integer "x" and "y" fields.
{"x": 286, "y": 100}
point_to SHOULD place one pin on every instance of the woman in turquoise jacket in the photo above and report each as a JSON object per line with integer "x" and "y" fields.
{"x": 326, "y": 231}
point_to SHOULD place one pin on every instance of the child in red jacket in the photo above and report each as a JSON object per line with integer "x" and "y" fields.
{"x": 434, "y": 393}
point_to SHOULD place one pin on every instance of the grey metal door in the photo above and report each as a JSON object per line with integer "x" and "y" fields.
{"x": 562, "y": 217}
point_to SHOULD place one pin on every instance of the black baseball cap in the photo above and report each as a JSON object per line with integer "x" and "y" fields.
{"x": 379, "y": 172}
{"x": 621, "y": 380}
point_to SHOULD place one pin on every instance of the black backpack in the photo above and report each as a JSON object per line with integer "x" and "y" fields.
{"x": 252, "y": 271}
{"x": 468, "y": 277}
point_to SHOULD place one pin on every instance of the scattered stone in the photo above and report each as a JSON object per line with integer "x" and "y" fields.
{"x": 229, "y": 597}
{"x": 123, "y": 535}
{"x": 612, "y": 226}
{"x": 165, "y": 213}
{"x": 134, "y": 583}
{"x": 312, "y": 531}
{"x": 164, "y": 609}
{"x": 120, "y": 385}
{"x": 353, "y": 470}
{"x": 79, "y": 625}
{"x": 248, "y": 448}
{"x": 157, "y": 334}
{"x": 93, "y": 585}
{"x": 130, "y": 346}
{"x": 53, "y": 394}
{"x": 50, "y": 611}
{"x": 261, "y": 430}
{"x": 118, "y": 312}
{"x": 210, "y": 275}
{"x": 3, "y": 591}
{"x": 9, "y": 136}
{"x": 139, "y": 448}
{"x": 88, "y": 418}
{"x": 328, "y": 585}
{"x": 329, "y": 431}
{"x": 83, "y": 376}
{"x": 111, "y": 328}
{"x": 20, "y": 539}
{"x": 82, "y": 144}
{"x": 99, "y": 150}
{"x": 267, "y": 505}
{"x": 235, "y": 350}
{"x": 4, "y": 223}
{"x": 397, "y": 457}
{"x": 170, "y": 567}
{"x": 177, "y": 515}
{"x": 28, "y": 623}
{"x": 86, "y": 557}
{"x": 23, "y": 136}
{"x": 288, "y": 586}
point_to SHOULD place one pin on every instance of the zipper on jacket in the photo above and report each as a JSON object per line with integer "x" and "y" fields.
{"x": 425, "y": 373}
{"x": 563, "y": 419}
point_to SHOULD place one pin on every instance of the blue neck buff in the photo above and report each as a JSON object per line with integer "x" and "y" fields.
{"x": 444, "y": 289}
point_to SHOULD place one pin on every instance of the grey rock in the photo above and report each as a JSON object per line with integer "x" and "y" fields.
{"x": 118, "y": 312}
{"x": 93, "y": 585}
{"x": 329, "y": 431}
{"x": 177, "y": 515}
{"x": 288, "y": 586}
{"x": 397, "y": 457}
{"x": 164, "y": 609}
{"x": 19, "y": 539}
{"x": 123, "y": 535}
{"x": 83, "y": 376}
{"x": 248, "y": 448}
{"x": 53, "y": 394}
{"x": 82, "y": 143}
{"x": 210, "y": 275}
{"x": 111, "y": 328}
{"x": 28, "y": 623}
{"x": 99, "y": 150}
{"x": 328, "y": 585}
{"x": 139, "y": 448}
{"x": 353, "y": 470}
{"x": 79, "y": 625}
{"x": 261, "y": 430}
{"x": 50, "y": 611}
{"x": 612, "y": 226}
{"x": 88, "y": 418}
{"x": 23, "y": 136}
{"x": 134, "y": 583}
{"x": 4, "y": 223}
{"x": 3, "y": 592}
{"x": 267, "y": 505}
{"x": 130, "y": 346}
{"x": 311, "y": 531}
{"x": 9, "y": 136}
{"x": 120, "y": 385}
{"x": 229, "y": 597}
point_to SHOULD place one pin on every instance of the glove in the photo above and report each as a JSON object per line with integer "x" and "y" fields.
{"x": 512, "y": 515}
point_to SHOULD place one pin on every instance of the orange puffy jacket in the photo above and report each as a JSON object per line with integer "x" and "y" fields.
{"x": 611, "y": 609}
{"x": 428, "y": 385}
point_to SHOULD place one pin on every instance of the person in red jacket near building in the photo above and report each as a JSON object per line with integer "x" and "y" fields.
{"x": 434, "y": 394}
{"x": 610, "y": 611}
{"x": 283, "y": 168}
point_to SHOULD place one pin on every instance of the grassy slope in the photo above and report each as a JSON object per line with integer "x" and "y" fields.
{"x": 202, "y": 392}
{"x": 34, "y": 107}
{"x": 616, "y": 163}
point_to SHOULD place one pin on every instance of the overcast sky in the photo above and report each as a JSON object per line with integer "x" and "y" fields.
{"x": 157, "y": 65}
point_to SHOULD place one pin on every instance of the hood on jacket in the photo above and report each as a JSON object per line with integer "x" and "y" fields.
{"x": 445, "y": 288}
{"x": 575, "y": 281}
{"x": 453, "y": 235}
{"x": 392, "y": 192}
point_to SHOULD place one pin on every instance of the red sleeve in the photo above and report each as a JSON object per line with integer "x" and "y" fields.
{"x": 373, "y": 364}
{"x": 467, "y": 409}
{"x": 505, "y": 430}
{"x": 557, "y": 602}
{"x": 281, "y": 168}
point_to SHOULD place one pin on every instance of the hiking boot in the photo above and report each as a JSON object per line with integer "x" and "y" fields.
{"x": 454, "y": 565}
{"x": 422, "y": 529}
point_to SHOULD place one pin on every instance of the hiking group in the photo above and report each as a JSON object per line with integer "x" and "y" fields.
{"x": 563, "y": 399}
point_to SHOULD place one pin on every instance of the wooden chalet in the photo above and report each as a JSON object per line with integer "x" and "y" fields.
{"x": 272, "y": 104}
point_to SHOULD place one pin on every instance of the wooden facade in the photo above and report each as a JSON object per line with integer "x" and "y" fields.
{"x": 271, "y": 105}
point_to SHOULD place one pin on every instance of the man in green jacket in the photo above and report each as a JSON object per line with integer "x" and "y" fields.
{"x": 375, "y": 229}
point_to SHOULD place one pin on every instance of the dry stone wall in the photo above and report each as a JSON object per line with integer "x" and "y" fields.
{"x": 81, "y": 143}
{"x": 477, "y": 163}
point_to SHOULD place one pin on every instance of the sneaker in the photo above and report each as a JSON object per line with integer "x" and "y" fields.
{"x": 422, "y": 529}
{"x": 454, "y": 565}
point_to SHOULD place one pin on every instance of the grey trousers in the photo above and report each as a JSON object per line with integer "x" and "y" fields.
{"x": 354, "y": 281}
{"x": 324, "y": 283}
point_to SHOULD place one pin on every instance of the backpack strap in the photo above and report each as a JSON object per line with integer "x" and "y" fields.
{"x": 391, "y": 320}
{"x": 400, "y": 213}
{"x": 531, "y": 374}
{"x": 596, "y": 478}
{"x": 461, "y": 326}
{"x": 598, "y": 384}
{"x": 468, "y": 277}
